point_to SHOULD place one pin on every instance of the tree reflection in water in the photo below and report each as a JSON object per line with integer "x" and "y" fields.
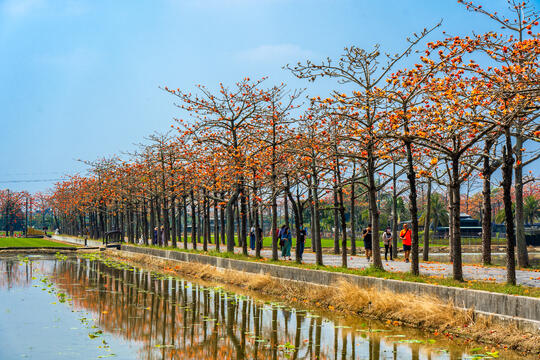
{"x": 171, "y": 318}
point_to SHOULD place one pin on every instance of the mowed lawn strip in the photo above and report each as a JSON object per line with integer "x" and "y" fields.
{"x": 30, "y": 242}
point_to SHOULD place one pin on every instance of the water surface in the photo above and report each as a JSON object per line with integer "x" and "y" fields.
{"x": 83, "y": 308}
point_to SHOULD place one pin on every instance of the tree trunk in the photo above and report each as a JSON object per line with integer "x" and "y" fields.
{"x": 138, "y": 223}
{"x": 297, "y": 225}
{"x": 486, "y": 205}
{"x": 178, "y": 221}
{"x": 456, "y": 232}
{"x": 274, "y": 225}
{"x": 222, "y": 222}
{"x": 122, "y": 227}
{"x": 311, "y": 218}
{"x": 193, "y": 222}
{"x": 450, "y": 223}
{"x": 374, "y": 210}
{"x": 238, "y": 224}
{"x": 173, "y": 221}
{"x": 230, "y": 222}
{"x": 216, "y": 224}
{"x": 206, "y": 220}
{"x": 343, "y": 228}
{"x": 243, "y": 218}
{"x": 336, "y": 219}
{"x": 184, "y": 213}
{"x": 166, "y": 224}
{"x": 152, "y": 220}
{"x": 158, "y": 220}
{"x": 286, "y": 210}
{"x": 427, "y": 221}
{"x": 353, "y": 212}
{"x": 129, "y": 225}
{"x": 522, "y": 254}
{"x": 413, "y": 208}
{"x": 200, "y": 227}
{"x": 508, "y": 162}
{"x": 255, "y": 217}
{"x": 316, "y": 237}
{"x": 394, "y": 212}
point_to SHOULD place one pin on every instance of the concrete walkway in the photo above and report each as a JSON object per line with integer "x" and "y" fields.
{"x": 470, "y": 272}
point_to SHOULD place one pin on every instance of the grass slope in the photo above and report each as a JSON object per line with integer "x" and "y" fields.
{"x": 403, "y": 276}
{"x": 29, "y": 243}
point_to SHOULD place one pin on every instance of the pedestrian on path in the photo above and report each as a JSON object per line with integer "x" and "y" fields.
{"x": 280, "y": 239}
{"x": 405, "y": 236}
{"x": 155, "y": 238}
{"x": 387, "y": 241}
{"x": 301, "y": 238}
{"x": 286, "y": 239}
{"x": 367, "y": 242}
{"x": 252, "y": 238}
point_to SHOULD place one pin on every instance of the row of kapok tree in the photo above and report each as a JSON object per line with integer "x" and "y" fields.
{"x": 464, "y": 109}
{"x": 17, "y": 206}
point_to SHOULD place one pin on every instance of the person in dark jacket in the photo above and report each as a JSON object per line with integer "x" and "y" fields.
{"x": 301, "y": 238}
{"x": 252, "y": 238}
{"x": 367, "y": 242}
{"x": 286, "y": 240}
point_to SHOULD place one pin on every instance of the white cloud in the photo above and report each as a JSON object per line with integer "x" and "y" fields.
{"x": 275, "y": 53}
{"x": 17, "y": 8}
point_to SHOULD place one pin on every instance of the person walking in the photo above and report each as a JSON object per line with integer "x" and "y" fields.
{"x": 286, "y": 239}
{"x": 155, "y": 237}
{"x": 367, "y": 242}
{"x": 252, "y": 238}
{"x": 280, "y": 239}
{"x": 301, "y": 238}
{"x": 405, "y": 236}
{"x": 387, "y": 241}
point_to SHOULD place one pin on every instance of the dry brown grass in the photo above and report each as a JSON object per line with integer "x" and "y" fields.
{"x": 423, "y": 312}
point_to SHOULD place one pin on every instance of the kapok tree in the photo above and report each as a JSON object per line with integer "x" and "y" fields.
{"x": 363, "y": 70}
{"x": 516, "y": 51}
{"x": 225, "y": 119}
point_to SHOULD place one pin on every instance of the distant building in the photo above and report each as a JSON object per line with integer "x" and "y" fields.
{"x": 468, "y": 226}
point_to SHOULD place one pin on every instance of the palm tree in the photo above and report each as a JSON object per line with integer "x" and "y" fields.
{"x": 500, "y": 217}
{"x": 531, "y": 209}
{"x": 439, "y": 212}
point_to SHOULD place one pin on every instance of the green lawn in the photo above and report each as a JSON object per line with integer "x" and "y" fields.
{"x": 23, "y": 242}
{"x": 329, "y": 243}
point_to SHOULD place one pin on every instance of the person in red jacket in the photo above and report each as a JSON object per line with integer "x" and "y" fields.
{"x": 405, "y": 236}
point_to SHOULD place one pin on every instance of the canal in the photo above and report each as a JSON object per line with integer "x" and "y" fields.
{"x": 58, "y": 307}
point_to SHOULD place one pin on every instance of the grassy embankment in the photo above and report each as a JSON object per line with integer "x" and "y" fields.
{"x": 30, "y": 243}
{"x": 403, "y": 276}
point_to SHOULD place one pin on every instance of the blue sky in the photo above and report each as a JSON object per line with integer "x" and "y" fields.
{"x": 79, "y": 79}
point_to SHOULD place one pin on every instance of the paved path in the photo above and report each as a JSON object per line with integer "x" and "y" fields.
{"x": 470, "y": 272}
